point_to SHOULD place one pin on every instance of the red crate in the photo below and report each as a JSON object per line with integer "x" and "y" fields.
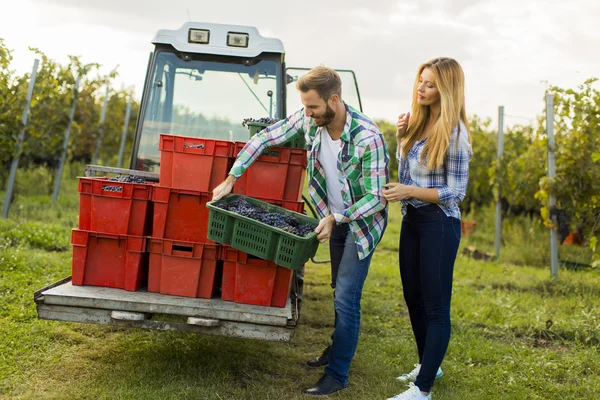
{"x": 180, "y": 214}
{"x": 194, "y": 163}
{"x": 277, "y": 174}
{"x": 103, "y": 259}
{"x": 125, "y": 212}
{"x": 251, "y": 280}
{"x": 182, "y": 268}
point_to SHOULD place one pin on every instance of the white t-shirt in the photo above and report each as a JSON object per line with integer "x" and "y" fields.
{"x": 328, "y": 156}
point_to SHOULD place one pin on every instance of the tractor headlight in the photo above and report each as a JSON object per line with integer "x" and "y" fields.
{"x": 201, "y": 36}
{"x": 235, "y": 39}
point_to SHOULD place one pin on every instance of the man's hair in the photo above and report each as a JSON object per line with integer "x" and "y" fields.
{"x": 325, "y": 81}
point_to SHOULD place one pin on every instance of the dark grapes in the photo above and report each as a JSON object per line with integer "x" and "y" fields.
{"x": 128, "y": 179}
{"x": 122, "y": 178}
{"x": 194, "y": 146}
{"x": 263, "y": 120}
{"x": 110, "y": 188}
{"x": 288, "y": 223}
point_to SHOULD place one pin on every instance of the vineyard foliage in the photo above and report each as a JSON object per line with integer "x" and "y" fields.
{"x": 520, "y": 179}
{"x": 49, "y": 113}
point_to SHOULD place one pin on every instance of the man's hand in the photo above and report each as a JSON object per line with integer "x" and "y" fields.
{"x": 224, "y": 188}
{"x": 323, "y": 230}
{"x": 394, "y": 191}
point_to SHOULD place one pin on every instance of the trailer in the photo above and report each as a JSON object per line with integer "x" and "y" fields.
{"x": 202, "y": 80}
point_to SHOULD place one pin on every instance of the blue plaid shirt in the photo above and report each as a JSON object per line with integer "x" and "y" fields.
{"x": 450, "y": 180}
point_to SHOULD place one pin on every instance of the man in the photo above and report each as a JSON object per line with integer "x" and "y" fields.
{"x": 347, "y": 169}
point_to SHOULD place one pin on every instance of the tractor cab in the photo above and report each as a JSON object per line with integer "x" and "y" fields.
{"x": 204, "y": 79}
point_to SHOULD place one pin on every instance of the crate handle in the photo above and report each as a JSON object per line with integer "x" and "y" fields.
{"x": 187, "y": 249}
{"x": 273, "y": 155}
{"x": 193, "y": 146}
{"x": 106, "y": 189}
{"x": 184, "y": 251}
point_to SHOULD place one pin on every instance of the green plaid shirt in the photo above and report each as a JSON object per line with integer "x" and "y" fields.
{"x": 362, "y": 165}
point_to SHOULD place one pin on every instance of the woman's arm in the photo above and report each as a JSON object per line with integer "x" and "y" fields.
{"x": 396, "y": 191}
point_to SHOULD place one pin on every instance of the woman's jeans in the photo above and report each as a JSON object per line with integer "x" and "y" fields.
{"x": 348, "y": 275}
{"x": 428, "y": 245}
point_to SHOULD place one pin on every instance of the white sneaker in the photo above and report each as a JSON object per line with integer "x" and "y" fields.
{"x": 413, "y": 393}
{"x": 412, "y": 375}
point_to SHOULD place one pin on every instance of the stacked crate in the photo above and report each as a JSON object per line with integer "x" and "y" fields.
{"x": 109, "y": 246}
{"x": 183, "y": 262}
{"x": 131, "y": 235}
{"x": 276, "y": 177}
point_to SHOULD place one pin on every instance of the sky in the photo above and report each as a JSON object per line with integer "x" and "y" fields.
{"x": 510, "y": 50}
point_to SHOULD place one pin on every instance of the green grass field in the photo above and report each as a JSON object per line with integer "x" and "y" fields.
{"x": 517, "y": 334}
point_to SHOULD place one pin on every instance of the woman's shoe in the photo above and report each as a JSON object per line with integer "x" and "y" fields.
{"x": 412, "y": 375}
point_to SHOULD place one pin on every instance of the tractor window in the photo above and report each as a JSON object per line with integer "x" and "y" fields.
{"x": 205, "y": 98}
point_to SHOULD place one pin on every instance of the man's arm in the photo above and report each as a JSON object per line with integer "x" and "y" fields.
{"x": 277, "y": 133}
{"x": 375, "y": 175}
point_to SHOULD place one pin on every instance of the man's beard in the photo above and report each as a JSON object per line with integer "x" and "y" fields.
{"x": 326, "y": 118}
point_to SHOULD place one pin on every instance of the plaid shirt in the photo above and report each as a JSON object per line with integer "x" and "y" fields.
{"x": 450, "y": 180}
{"x": 362, "y": 166}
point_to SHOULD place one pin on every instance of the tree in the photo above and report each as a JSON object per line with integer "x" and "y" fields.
{"x": 50, "y": 106}
{"x": 577, "y": 183}
{"x": 10, "y": 117}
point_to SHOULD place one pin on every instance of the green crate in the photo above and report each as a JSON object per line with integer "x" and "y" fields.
{"x": 296, "y": 143}
{"x": 259, "y": 239}
{"x": 255, "y": 127}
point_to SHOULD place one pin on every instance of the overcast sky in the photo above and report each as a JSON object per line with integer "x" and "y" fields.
{"x": 508, "y": 48}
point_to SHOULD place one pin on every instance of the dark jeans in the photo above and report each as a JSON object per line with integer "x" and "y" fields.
{"x": 348, "y": 275}
{"x": 428, "y": 244}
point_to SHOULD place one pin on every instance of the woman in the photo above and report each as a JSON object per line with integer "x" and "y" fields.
{"x": 433, "y": 157}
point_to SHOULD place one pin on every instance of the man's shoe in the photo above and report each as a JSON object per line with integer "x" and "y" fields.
{"x": 320, "y": 361}
{"x": 325, "y": 386}
{"x": 412, "y": 375}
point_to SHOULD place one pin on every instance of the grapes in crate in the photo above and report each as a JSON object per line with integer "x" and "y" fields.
{"x": 288, "y": 223}
{"x": 263, "y": 120}
{"x": 124, "y": 179}
{"x": 128, "y": 179}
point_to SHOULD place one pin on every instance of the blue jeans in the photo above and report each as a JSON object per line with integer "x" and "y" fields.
{"x": 348, "y": 274}
{"x": 428, "y": 244}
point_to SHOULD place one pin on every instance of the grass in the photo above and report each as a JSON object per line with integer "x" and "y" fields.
{"x": 524, "y": 241}
{"x": 517, "y": 334}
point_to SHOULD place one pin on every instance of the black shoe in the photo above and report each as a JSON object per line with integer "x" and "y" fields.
{"x": 326, "y": 385}
{"x": 320, "y": 361}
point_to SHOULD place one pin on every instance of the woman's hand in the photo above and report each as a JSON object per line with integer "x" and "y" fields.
{"x": 402, "y": 125}
{"x": 394, "y": 191}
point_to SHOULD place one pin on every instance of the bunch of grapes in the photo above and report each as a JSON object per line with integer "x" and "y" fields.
{"x": 288, "y": 223}
{"x": 194, "y": 146}
{"x": 125, "y": 179}
{"x": 110, "y": 188}
{"x": 128, "y": 179}
{"x": 263, "y": 120}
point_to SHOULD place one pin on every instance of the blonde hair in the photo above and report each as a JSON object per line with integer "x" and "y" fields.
{"x": 450, "y": 82}
{"x": 324, "y": 80}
